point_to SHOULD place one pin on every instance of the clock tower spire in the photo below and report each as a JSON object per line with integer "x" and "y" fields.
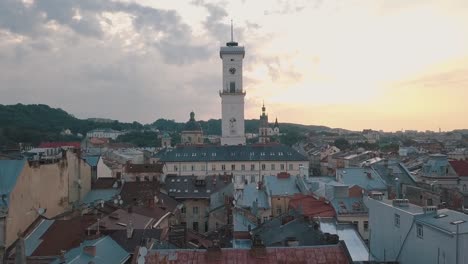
{"x": 232, "y": 93}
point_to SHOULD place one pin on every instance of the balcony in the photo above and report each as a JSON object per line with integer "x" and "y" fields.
{"x": 221, "y": 93}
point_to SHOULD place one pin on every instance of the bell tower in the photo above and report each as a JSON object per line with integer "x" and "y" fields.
{"x": 232, "y": 94}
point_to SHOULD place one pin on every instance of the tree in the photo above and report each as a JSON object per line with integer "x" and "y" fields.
{"x": 342, "y": 143}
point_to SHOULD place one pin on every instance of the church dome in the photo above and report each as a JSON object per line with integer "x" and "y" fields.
{"x": 192, "y": 125}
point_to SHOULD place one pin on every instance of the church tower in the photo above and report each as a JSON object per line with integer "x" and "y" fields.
{"x": 232, "y": 94}
{"x": 263, "y": 133}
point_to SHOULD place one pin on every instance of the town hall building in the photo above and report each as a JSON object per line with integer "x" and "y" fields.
{"x": 246, "y": 163}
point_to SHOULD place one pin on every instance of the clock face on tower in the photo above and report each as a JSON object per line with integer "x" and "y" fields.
{"x": 232, "y": 125}
{"x": 232, "y": 70}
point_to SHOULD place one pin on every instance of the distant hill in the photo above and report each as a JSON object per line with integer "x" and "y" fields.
{"x": 213, "y": 126}
{"x": 36, "y": 123}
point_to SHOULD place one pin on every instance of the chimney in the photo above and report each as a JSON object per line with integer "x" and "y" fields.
{"x": 129, "y": 230}
{"x": 20, "y": 250}
{"x": 90, "y": 250}
{"x": 292, "y": 242}
{"x": 259, "y": 185}
{"x": 62, "y": 259}
{"x": 258, "y": 249}
{"x": 213, "y": 253}
{"x": 400, "y": 202}
{"x": 430, "y": 210}
{"x": 376, "y": 195}
{"x": 398, "y": 188}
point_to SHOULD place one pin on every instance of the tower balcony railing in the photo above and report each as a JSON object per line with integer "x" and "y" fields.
{"x": 231, "y": 93}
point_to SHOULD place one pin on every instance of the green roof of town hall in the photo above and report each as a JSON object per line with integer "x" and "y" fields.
{"x": 255, "y": 152}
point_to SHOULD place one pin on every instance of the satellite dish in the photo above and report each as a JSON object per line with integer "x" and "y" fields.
{"x": 141, "y": 260}
{"x": 120, "y": 202}
{"x": 156, "y": 200}
{"x": 116, "y": 201}
{"x": 143, "y": 251}
{"x": 41, "y": 211}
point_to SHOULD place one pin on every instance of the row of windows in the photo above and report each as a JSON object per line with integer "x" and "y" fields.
{"x": 419, "y": 227}
{"x": 202, "y": 167}
{"x": 232, "y": 154}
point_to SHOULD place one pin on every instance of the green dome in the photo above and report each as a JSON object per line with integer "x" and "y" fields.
{"x": 192, "y": 125}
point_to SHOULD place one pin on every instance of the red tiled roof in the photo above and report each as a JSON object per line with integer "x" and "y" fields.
{"x": 76, "y": 145}
{"x": 311, "y": 207}
{"x": 64, "y": 235}
{"x": 98, "y": 141}
{"x": 316, "y": 254}
{"x": 460, "y": 167}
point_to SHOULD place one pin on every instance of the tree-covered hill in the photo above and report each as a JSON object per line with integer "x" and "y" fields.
{"x": 36, "y": 123}
{"x": 33, "y": 124}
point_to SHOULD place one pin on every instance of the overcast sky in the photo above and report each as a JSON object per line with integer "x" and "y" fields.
{"x": 353, "y": 64}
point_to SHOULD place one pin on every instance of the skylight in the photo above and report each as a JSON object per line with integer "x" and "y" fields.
{"x": 440, "y": 216}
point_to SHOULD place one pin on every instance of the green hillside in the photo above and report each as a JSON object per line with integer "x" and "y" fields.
{"x": 33, "y": 124}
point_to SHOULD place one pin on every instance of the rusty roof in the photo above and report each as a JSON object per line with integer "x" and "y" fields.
{"x": 141, "y": 168}
{"x": 103, "y": 183}
{"x": 119, "y": 219}
{"x": 64, "y": 235}
{"x": 315, "y": 254}
{"x": 460, "y": 167}
{"x": 311, "y": 207}
{"x": 139, "y": 193}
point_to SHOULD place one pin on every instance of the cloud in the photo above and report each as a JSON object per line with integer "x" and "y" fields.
{"x": 217, "y": 21}
{"x": 85, "y": 17}
{"x": 287, "y": 7}
{"x": 77, "y": 55}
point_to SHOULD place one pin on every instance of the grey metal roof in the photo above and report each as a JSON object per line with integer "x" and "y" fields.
{"x": 33, "y": 240}
{"x": 107, "y": 251}
{"x": 443, "y": 220}
{"x": 137, "y": 239}
{"x": 249, "y": 194}
{"x": 281, "y": 186}
{"x": 97, "y": 195}
{"x": 242, "y": 223}
{"x": 217, "y": 199}
{"x": 348, "y": 233}
{"x": 349, "y": 205}
{"x": 9, "y": 173}
{"x": 389, "y": 170}
{"x": 366, "y": 178}
{"x": 270, "y": 152}
{"x": 92, "y": 160}
{"x": 275, "y": 233}
{"x": 184, "y": 187}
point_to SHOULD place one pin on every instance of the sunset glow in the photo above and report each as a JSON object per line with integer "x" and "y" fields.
{"x": 387, "y": 65}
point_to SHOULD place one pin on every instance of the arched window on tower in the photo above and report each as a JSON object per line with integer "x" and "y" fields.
{"x": 232, "y": 87}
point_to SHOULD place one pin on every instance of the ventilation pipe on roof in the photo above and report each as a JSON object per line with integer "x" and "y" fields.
{"x": 90, "y": 250}
{"x": 129, "y": 230}
{"x": 398, "y": 188}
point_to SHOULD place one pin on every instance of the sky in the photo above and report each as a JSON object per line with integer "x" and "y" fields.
{"x": 387, "y": 65}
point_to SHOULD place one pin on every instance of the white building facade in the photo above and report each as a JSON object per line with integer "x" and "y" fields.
{"x": 104, "y": 133}
{"x": 247, "y": 164}
{"x": 406, "y": 233}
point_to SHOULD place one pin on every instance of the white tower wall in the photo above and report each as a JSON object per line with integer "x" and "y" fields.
{"x": 232, "y": 95}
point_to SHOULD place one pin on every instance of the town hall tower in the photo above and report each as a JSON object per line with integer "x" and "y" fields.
{"x": 232, "y": 94}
